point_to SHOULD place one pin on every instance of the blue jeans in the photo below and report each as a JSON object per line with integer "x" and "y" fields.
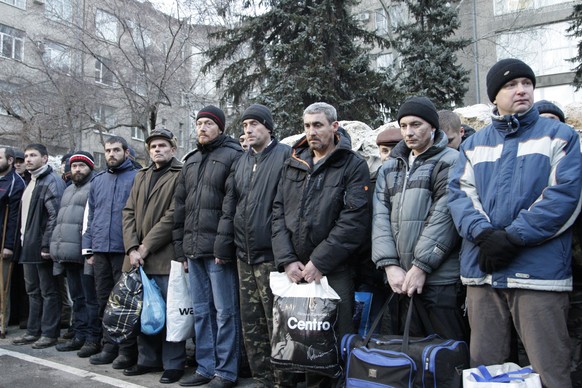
{"x": 214, "y": 291}
{"x": 44, "y": 313}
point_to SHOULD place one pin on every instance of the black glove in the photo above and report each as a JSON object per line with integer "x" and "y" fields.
{"x": 495, "y": 250}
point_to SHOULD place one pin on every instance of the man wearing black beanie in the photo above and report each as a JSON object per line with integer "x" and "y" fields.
{"x": 199, "y": 199}
{"x": 514, "y": 193}
{"x": 415, "y": 247}
{"x": 245, "y": 228}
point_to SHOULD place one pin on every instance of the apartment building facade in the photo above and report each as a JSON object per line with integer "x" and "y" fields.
{"x": 73, "y": 72}
{"x": 532, "y": 30}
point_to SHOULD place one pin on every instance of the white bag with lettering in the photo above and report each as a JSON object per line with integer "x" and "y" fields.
{"x": 304, "y": 316}
{"x": 179, "y": 310}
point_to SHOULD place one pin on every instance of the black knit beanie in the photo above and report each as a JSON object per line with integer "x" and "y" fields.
{"x": 260, "y": 113}
{"x": 213, "y": 113}
{"x": 545, "y": 106}
{"x": 504, "y": 71}
{"x": 421, "y": 107}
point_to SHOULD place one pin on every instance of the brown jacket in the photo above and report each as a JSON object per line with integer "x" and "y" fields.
{"x": 150, "y": 220}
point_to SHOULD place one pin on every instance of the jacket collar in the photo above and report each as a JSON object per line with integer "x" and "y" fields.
{"x": 302, "y": 156}
{"x": 513, "y": 123}
{"x": 440, "y": 143}
{"x": 125, "y": 166}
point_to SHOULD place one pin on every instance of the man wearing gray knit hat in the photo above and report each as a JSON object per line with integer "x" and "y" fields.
{"x": 513, "y": 195}
{"x": 414, "y": 240}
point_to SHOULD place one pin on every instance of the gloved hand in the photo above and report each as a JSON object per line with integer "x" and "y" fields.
{"x": 495, "y": 250}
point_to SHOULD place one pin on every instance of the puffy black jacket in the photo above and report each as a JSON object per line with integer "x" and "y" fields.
{"x": 42, "y": 216}
{"x": 202, "y": 186}
{"x": 321, "y": 213}
{"x": 247, "y": 211}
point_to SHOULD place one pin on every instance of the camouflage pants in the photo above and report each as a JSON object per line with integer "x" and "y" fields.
{"x": 256, "y": 312}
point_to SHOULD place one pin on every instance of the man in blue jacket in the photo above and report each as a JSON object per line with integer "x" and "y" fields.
{"x": 514, "y": 194}
{"x": 103, "y": 240}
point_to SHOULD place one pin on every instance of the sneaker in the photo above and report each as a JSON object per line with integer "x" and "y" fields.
{"x": 25, "y": 339}
{"x": 89, "y": 349}
{"x": 70, "y": 345}
{"x": 102, "y": 358}
{"x": 44, "y": 342}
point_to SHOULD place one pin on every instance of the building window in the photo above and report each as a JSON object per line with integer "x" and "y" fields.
{"x": 510, "y": 6}
{"x": 11, "y": 43}
{"x": 17, "y": 3}
{"x": 398, "y": 16}
{"x": 384, "y": 61}
{"x": 59, "y": 10}
{"x": 104, "y": 115}
{"x": 57, "y": 57}
{"x": 546, "y": 48}
{"x": 106, "y": 26}
{"x": 180, "y": 135}
{"x": 103, "y": 74}
{"x": 381, "y": 22}
{"x": 137, "y": 133}
{"x": 99, "y": 160}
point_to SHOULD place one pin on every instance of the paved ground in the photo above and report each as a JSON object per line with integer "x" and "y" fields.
{"x": 22, "y": 366}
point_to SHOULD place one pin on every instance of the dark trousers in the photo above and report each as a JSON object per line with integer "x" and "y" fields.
{"x": 154, "y": 350}
{"x": 343, "y": 283}
{"x": 107, "y": 271}
{"x": 540, "y": 318}
{"x": 44, "y": 312}
{"x": 86, "y": 323}
{"x": 444, "y": 307}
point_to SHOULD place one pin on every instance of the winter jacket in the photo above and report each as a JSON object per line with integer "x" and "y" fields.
{"x": 321, "y": 212}
{"x": 42, "y": 216}
{"x": 202, "y": 187}
{"x": 251, "y": 194}
{"x": 107, "y": 197}
{"x": 522, "y": 173}
{"x": 67, "y": 236}
{"x": 11, "y": 189}
{"x": 148, "y": 218}
{"x": 412, "y": 224}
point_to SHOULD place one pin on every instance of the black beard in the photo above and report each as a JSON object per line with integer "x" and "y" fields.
{"x": 4, "y": 168}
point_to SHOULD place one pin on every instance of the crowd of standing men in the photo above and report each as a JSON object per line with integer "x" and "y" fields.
{"x": 482, "y": 235}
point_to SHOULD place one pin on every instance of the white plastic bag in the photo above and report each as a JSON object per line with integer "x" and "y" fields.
{"x": 304, "y": 315}
{"x": 508, "y": 375}
{"x": 179, "y": 310}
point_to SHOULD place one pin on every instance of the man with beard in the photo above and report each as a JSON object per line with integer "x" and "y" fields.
{"x": 11, "y": 189}
{"x": 40, "y": 205}
{"x": 321, "y": 213}
{"x": 103, "y": 240}
{"x": 66, "y": 250}
{"x": 202, "y": 187}
{"x": 148, "y": 220}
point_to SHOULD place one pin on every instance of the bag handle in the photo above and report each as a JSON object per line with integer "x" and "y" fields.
{"x": 377, "y": 320}
{"x": 406, "y": 335}
{"x": 501, "y": 378}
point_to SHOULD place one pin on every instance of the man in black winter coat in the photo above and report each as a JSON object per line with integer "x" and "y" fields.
{"x": 246, "y": 226}
{"x": 321, "y": 214}
{"x": 199, "y": 196}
